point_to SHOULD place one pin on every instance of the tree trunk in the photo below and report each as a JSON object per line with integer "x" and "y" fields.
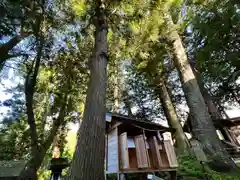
{"x": 44, "y": 116}
{"x": 212, "y": 109}
{"x": 88, "y": 159}
{"x": 127, "y": 103}
{"x": 170, "y": 113}
{"x": 30, "y": 84}
{"x": 201, "y": 122}
{"x": 60, "y": 138}
{"x": 116, "y": 92}
{"x": 30, "y": 172}
{"x": 36, "y": 151}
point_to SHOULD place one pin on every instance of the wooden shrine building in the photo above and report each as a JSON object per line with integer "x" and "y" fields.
{"x": 228, "y": 131}
{"x": 137, "y": 146}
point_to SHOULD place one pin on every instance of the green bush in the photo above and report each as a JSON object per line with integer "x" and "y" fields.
{"x": 191, "y": 167}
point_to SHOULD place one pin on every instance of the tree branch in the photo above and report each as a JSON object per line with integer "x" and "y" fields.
{"x": 30, "y": 84}
{"x": 6, "y": 47}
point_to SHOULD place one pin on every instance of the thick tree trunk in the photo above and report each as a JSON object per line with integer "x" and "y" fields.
{"x": 212, "y": 109}
{"x": 201, "y": 121}
{"x": 88, "y": 159}
{"x": 170, "y": 113}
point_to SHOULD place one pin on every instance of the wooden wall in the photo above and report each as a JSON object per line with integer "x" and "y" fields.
{"x": 137, "y": 153}
{"x": 112, "y": 152}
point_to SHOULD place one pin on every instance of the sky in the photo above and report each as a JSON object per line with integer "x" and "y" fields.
{"x": 4, "y": 84}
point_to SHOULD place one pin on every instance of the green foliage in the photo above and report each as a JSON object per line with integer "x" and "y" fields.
{"x": 10, "y": 12}
{"x": 191, "y": 167}
{"x": 71, "y": 143}
{"x": 216, "y": 59}
{"x": 79, "y": 7}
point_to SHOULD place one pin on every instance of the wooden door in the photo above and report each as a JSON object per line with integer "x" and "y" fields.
{"x": 172, "y": 159}
{"x": 124, "y": 157}
{"x": 154, "y": 146}
{"x": 141, "y": 150}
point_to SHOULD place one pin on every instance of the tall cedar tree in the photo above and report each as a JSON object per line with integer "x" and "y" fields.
{"x": 203, "y": 128}
{"x": 154, "y": 72}
{"x": 88, "y": 159}
{"x": 182, "y": 145}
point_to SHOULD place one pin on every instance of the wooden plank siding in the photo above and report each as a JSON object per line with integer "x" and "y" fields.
{"x": 172, "y": 159}
{"x": 141, "y": 150}
{"x": 112, "y": 152}
{"x": 124, "y": 156}
{"x": 157, "y": 161}
{"x": 147, "y": 148}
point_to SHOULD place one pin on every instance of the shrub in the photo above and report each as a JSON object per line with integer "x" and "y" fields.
{"x": 191, "y": 167}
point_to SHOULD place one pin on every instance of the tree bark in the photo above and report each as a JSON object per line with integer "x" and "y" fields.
{"x": 201, "y": 122}
{"x": 30, "y": 172}
{"x": 88, "y": 159}
{"x": 30, "y": 84}
{"x": 116, "y": 92}
{"x": 212, "y": 109}
{"x": 44, "y": 116}
{"x": 127, "y": 103}
{"x": 170, "y": 113}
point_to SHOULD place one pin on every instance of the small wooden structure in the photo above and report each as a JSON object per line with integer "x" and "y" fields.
{"x": 228, "y": 131}
{"x": 134, "y": 146}
{"x": 11, "y": 170}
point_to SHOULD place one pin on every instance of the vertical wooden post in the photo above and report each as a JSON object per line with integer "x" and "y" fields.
{"x": 124, "y": 157}
{"x": 141, "y": 150}
{"x": 173, "y": 175}
{"x": 143, "y": 176}
{"x": 231, "y": 133}
{"x": 121, "y": 176}
{"x": 145, "y": 141}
